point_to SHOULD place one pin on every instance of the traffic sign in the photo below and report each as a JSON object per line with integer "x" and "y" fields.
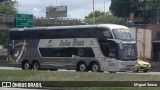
{"x": 24, "y": 20}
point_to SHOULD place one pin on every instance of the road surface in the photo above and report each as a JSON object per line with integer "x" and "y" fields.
{"x": 148, "y": 73}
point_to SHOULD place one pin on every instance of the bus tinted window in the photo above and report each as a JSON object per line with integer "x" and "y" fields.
{"x": 101, "y": 33}
{"x": 66, "y": 52}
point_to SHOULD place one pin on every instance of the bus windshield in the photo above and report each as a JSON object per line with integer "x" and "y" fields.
{"x": 121, "y": 33}
{"x": 128, "y": 52}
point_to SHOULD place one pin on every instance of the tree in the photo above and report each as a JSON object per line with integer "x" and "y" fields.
{"x": 149, "y": 10}
{"x": 107, "y": 18}
{"x": 7, "y": 7}
{"x": 122, "y": 8}
{"x": 3, "y": 38}
{"x": 96, "y": 13}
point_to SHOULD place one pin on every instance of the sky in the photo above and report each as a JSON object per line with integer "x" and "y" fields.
{"x": 76, "y": 8}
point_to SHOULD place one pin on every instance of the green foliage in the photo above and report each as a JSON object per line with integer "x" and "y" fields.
{"x": 122, "y": 8}
{"x": 96, "y": 13}
{"x": 3, "y": 39}
{"x": 31, "y": 75}
{"x": 6, "y": 7}
{"x": 148, "y": 9}
{"x": 6, "y": 10}
{"x": 107, "y": 18}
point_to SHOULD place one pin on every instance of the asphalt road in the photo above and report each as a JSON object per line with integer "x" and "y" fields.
{"x": 148, "y": 73}
{"x": 10, "y": 68}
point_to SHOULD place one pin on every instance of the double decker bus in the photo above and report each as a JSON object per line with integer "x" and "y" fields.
{"x": 102, "y": 47}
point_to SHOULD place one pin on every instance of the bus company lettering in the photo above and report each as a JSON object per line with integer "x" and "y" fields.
{"x": 75, "y": 43}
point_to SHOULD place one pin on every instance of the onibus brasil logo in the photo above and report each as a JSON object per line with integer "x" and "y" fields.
{"x": 21, "y": 85}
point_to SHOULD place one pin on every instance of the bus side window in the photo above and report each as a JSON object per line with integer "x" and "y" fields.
{"x": 80, "y": 52}
{"x": 71, "y": 51}
{"x": 85, "y": 52}
{"x": 105, "y": 49}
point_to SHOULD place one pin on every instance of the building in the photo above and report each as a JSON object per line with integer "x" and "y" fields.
{"x": 56, "y": 11}
{"x": 144, "y": 42}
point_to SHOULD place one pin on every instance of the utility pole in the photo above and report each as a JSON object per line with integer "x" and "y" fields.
{"x": 16, "y": 6}
{"x": 144, "y": 16}
{"x": 93, "y": 14}
{"x": 158, "y": 16}
{"x": 144, "y": 34}
{"x": 56, "y": 2}
{"x": 104, "y": 5}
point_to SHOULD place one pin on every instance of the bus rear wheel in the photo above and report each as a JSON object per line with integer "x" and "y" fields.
{"x": 82, "y": 67}
{"x": 94, "y": 67}
{"x": 35, "y": 65}
{"x": 25, "y": 65}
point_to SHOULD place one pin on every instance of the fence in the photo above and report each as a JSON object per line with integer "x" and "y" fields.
{"x": 3, "y": 57}
{"x": 3, "y": 54}
{"x": 7, "y": 18}
{"x": 44, "y": 21}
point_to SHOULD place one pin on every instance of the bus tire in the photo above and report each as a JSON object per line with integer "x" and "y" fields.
{"x": 25, "y": 65}
{"x": 35, "y": 65}
{"x": 94, "y": 67}
{"x": 82, "y": 67}
{"x": 112, "y": 71}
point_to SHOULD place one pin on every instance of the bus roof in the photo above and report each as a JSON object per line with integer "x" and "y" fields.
{"x": 110, "y": 26}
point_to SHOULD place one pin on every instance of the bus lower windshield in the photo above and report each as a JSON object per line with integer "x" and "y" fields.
{"x": 128, "y": 52}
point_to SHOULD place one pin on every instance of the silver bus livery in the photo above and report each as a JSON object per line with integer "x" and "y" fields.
{"x": 102, "y": 47}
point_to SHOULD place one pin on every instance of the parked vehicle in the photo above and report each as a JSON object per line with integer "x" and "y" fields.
{"x": 143, "y": 65}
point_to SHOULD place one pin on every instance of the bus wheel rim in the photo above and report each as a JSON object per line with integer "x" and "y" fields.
{"x": 82, "y": 67}
{"x": 36, "y": 66}
{"x": 26, "y": 66}
{"x": 95, "y": 68}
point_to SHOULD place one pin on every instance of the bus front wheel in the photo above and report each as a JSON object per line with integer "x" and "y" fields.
{"x": 35, "y": 65}
{"x": 25, "y": 65}
{"x": 82, "y": 67}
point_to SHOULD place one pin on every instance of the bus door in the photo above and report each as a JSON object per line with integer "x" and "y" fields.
{"x": 112, "y": 64}
{"x": 112, "y": 61}
{"x": 108, "y": 50}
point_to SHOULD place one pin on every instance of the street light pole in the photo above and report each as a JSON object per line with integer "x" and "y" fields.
{"x": 16, "y": 6}
{"x": 93, "y": 14}
{"x": 104, "y": 5}
{"x": 144, "y": 34}
{"x": 158, "y": 16}
{"x": 56, "y": 2}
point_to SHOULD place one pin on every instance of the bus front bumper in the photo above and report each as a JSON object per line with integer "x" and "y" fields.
{"x": 128, "y": 68}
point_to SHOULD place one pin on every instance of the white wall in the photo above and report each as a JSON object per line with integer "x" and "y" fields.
{"x": 143, "y": 35}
